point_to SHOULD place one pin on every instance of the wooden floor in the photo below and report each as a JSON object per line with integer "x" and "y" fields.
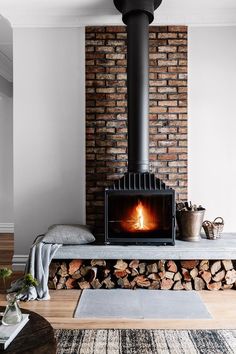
{"x": 59, "y": 310}
{"x": 6, "y": 249}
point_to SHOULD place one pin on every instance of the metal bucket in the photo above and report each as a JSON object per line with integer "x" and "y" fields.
{"x": 190, "y": 223}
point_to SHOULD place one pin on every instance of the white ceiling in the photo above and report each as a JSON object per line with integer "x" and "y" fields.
{"x": 75, "y": 13}
{"x": 99, "y": 12}
{"x": 91, "y": 5}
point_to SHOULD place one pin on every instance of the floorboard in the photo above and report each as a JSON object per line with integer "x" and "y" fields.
{"x": 59, "y": 312}
{"x": 6, "y": 249}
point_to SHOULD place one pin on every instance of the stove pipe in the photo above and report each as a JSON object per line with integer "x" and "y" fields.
{"x": 137, "y": 15}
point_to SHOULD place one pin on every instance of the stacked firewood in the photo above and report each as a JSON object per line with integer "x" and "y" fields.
{"x": 188, "y": 207}
{"x": 161, "y": 274}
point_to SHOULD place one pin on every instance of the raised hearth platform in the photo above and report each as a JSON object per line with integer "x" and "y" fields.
{"x": 223, "y": 248}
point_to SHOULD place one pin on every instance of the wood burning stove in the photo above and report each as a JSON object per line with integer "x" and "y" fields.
{"x": 139, "y": 208}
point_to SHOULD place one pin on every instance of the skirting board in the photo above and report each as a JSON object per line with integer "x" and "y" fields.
{"x": 6, "y": 228}
{"x": 19, "y": 262}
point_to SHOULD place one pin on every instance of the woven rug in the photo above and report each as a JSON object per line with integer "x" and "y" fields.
{"x": 145, "y": 341}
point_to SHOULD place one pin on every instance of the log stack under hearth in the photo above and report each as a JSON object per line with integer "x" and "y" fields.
{"x": 161, "y": 274}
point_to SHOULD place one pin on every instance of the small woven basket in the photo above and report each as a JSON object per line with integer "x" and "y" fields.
{"x": 213, "y": 229}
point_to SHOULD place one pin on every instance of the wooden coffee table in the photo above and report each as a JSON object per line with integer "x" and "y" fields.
{"x": 37, "y": 337}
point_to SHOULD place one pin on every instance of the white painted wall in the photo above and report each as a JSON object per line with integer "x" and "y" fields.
{"x": 49, "y": 130}
{"x": 6, "y": 161}
{"x": 49, "y": 122}
{"x": 212, "y": 121}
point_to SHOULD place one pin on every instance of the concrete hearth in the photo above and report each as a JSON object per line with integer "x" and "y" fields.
{"x": 223, "y": 248}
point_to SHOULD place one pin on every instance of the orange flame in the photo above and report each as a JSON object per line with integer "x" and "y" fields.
{"x": 139, "y": 225}
{"x": 140, "y": 218}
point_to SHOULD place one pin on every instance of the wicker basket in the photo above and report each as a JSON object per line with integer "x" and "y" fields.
{"x": 213, "y": 229}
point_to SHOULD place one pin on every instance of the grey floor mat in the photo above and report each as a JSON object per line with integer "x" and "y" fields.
{"x": 141, "y": 304}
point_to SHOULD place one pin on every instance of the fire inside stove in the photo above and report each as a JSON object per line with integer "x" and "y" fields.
{"x": 139, "y": 215}
{"x": 140, "y": 218}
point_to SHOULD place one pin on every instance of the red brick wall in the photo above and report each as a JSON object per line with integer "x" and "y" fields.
{"x": 106, "y": 111}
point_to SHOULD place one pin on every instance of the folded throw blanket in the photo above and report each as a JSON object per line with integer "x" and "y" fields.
{"x": 40, "y": 257}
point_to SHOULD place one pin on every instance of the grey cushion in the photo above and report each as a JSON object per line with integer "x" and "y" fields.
{"x": 69, "y": 235}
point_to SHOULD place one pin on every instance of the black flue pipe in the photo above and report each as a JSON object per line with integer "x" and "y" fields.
{"x": 138, "y": 91}
{"x": 137, "y": 15}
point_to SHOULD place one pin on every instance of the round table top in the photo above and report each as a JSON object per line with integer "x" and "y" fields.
{"x": 37, "y": 337}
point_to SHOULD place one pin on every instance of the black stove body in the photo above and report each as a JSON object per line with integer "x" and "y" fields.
{"x": 139, "y": 209}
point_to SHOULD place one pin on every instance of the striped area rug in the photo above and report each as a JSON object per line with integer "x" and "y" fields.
{"x": 145, "y": 341}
